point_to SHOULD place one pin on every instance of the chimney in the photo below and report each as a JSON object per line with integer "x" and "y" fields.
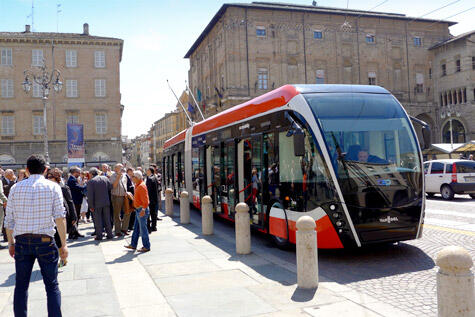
{"x": 85, "y": 28}
{"x": 27, "y": 28}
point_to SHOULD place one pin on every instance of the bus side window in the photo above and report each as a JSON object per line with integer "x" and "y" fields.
{"x": 304, "y": 180}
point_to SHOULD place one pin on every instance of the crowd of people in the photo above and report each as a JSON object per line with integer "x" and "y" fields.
{"x": 107, "y": 198}
{"x": 43, "y": 205}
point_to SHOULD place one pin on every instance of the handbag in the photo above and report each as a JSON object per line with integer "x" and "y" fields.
{"x": 128, "y": 203}
{"x": 84, "y": 206}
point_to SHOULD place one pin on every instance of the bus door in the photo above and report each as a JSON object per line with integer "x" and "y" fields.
{"x": 176, "y": 175}
{"x": 203, "y": 182}
{"x": 253, "y": 185}
{"x": 270, "y": 172}
{"x": 173, "y": 174}
{"x": 216, "y": 172}
{"x": 229, "y": 183}
{"x": 180, "y": 171}
{"x": 169, "y": 172}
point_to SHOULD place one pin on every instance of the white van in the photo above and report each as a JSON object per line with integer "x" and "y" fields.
{"x": 449, "y": 177}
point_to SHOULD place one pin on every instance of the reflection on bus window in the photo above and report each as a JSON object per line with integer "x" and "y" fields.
{"x": 304, "y": 181}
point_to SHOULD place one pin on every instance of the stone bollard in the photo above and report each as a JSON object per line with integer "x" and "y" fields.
{"x": 184, "y": 208}
{"x": 243, "y": 229}
{"x": 169, "y": 202}
{"x": 207, "y": 216}
{"x": 455, "y": 288}
{"x": 307, "y": 256}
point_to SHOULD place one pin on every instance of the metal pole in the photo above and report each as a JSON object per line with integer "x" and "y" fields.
{"x": 193, "y": 96}
{"x": 451, "y": 135}
{"x": 182, "y": 106}
{"x": 45, "y": 127}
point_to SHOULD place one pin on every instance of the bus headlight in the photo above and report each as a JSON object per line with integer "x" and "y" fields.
{"x": 340, "y": 223}
{"x": 332, "y": 207}
{"x": 336, "y": 215}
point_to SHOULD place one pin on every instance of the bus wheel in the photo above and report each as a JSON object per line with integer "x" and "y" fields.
{"x": 447, "y": 192}
{"x": 281, "y": 243}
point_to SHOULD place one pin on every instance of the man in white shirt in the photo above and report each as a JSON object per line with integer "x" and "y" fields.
{"x": 35, "y": 207}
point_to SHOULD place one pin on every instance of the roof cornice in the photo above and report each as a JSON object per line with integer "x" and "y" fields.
{"x": 305, "y": 9}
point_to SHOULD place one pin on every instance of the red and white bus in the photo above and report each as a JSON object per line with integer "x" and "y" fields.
{"x": 346, "y": 155}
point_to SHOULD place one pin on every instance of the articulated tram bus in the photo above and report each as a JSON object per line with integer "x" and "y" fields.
{"x": 346, "y": 155}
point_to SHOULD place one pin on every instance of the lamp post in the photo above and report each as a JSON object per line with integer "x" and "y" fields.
{"x": 45, "y": 80}
{"x": 450, "y": 111}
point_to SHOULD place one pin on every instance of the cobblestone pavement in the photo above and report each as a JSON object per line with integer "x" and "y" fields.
{"x": 402, "y": 275}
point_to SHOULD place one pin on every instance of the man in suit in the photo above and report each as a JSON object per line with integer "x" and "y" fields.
{"x": 71, "y": 216}
{"x": 152, "y": 188}
{"x": 77, "y": 191}
{"x": 8, "y": 180}
{"x": 159, "y": 187}
{"x": 98, "y": 193}
{"x": 3, "y": 205}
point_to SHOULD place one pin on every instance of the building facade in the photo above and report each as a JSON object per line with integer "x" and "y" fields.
{"x": 140, "y": 151}
{"x": 453, "y": 72}
{"x": 89, "y": 67}
{"x": 166, "y": 127}
{"x": 249, "y": 49}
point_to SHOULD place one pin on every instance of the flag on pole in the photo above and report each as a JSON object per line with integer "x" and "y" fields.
{"x": 219, "y": 94}
{"x": 191, "y": 109}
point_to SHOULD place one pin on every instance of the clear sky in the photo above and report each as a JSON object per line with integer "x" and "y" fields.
{"x": 158, "y": 33}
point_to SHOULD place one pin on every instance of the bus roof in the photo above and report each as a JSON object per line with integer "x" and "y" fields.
{"x": 308, "y": 89}
{"x": 273, "y": 99}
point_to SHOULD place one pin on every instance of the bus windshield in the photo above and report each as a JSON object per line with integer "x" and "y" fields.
{"x": 372, "y": 148}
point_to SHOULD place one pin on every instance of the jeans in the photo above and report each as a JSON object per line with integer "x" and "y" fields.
{"x": 27, "y": 250}
{"x": 140, "y": 228}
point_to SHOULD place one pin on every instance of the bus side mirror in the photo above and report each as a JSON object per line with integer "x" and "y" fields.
{"x": 425, "y": 132}
{"x": 426, "y": 137}
{"x": 299, "y": 143}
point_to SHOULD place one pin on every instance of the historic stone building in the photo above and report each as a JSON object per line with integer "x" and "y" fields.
{"x": 166, "y": 127}
{"x": 249, "y": 49}
{"x": 140, "y": 151}
{"x": 453, "y": 75}
{"x": 89, "y": 67}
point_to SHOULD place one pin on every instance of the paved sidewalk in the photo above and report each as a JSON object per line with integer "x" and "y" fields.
{"x": 186, "y": 274}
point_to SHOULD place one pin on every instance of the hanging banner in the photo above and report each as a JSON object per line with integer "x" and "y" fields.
{"x": 76, "y": 144}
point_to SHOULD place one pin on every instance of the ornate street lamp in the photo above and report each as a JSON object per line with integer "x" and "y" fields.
{"x": 45, "y": 80}
{"x": 450, "y": 111}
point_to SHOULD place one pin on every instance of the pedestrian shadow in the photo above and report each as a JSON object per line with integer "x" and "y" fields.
{"x": 10, "y": 281}
{"x": 79, "y": 243}
{"x": 126, "y": 257}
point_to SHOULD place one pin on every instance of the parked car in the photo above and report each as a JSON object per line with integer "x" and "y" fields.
{"x": 449, "y": 177}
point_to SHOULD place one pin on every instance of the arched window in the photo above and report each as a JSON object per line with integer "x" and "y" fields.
{"x": 458, "y": 132}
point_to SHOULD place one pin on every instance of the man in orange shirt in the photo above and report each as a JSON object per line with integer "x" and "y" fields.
{"x": 142, "y": 213}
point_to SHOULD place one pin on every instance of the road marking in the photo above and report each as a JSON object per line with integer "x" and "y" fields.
{"x": 450, "y": 224}
{"x": 449, "y": 213}
{"x": 468, "y": 233}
